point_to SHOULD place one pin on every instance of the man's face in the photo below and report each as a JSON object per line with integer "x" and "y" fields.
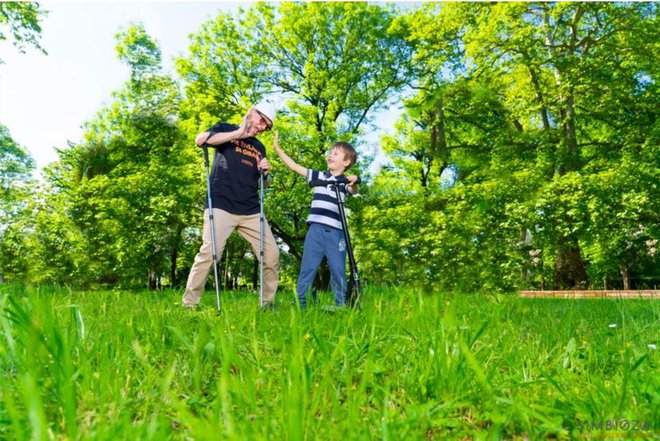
{"x": 259, "y": 121}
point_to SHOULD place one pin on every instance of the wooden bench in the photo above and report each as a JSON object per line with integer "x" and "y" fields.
{"x": 629, "y": 294}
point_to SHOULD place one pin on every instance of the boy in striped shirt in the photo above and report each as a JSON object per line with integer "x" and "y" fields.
{"x": 325, "y": 237}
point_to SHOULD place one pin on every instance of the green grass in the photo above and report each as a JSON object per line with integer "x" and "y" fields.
{"x": 408, "y": 365}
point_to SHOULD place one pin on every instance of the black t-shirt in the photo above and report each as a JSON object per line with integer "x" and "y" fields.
{"x": 235, "y": 176}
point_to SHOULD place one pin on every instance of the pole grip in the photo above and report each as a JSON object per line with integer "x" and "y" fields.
{"x": 324, "y": 183}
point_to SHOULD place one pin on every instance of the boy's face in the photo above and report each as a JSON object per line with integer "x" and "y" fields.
{"x": 337, "y": 161}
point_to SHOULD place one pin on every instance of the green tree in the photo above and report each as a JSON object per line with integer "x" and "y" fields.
{"x": 129, "y": 184}
{"x": 334, "y": 64}
{"x": 16, "y": 187}
{"x": 20, "y": 23}
{"x": 529, "y": 105}
{"x": 16, "y": 166}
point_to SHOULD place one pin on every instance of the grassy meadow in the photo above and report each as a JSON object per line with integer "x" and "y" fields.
{"x": 406, "y": 366}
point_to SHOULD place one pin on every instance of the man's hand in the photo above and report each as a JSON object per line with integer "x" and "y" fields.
{"x": 202, "y": 138}
{"x": 248, "y": 128}
{"x": 264, "y": 165}
{"x": 245, "y": 128}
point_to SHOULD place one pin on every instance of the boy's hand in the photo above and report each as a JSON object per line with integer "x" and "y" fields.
{"x": 285, "y": 158}
{"x": 352, "y": 184}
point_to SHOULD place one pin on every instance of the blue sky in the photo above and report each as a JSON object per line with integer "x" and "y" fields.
{"x": 44, "y": 99}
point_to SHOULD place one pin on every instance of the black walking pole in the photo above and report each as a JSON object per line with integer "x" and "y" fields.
{"x": 210, "y": 206}
{"x": 261, "y": 238}
{"x": 353, "y": 292}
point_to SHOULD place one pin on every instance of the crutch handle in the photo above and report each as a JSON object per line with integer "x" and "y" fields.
{"x": 205, "y": 149}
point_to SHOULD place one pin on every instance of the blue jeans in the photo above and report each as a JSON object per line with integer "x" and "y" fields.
{"x": 322, "y": 241}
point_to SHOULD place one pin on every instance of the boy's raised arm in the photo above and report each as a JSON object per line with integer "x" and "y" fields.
{"x": 286, "y": 159}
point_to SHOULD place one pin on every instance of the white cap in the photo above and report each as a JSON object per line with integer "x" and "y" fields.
{"x": 267, "y": 109}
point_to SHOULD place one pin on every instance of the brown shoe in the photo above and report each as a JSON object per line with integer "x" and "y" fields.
{"x": 267, "y": 306}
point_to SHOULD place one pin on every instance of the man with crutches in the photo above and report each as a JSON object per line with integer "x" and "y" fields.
{"x": 235, "y": 202}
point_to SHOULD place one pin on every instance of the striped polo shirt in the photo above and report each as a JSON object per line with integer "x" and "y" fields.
{"x": 324, "y": 203}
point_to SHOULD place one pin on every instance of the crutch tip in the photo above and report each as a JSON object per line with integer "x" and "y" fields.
{"x": 267, "y": 306}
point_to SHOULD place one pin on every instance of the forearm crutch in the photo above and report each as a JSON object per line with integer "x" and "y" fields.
{"x": 261, "y": 238}
{"x": 210, "y": 205}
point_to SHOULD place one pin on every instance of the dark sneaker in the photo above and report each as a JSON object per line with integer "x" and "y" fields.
{"x": 333, "y": 308}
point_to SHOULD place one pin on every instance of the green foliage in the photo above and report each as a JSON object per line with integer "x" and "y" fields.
{"x": 117, "y": 204}
{"x": 406, "y": 366}
{"x": 337, "y": 60}
{"x": 20, "y": 24}
{"x": 16, "y": 188}
{"x": 526, "y": 155}
{"x": 16, "y": 166}
{"x": 138, "y": 51}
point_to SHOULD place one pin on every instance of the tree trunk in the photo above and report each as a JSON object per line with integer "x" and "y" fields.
{"x": 572, "y": 159}
{"x": 152, "y": 280}
{"x": 173, "y": 258}
{"x": 569, "y": 160}
{"x": 524, "y": 270}
{"x": 570, "y": 269}
{"x": 625, "y": 275}
{"x": 255, "y": 275}
{"x": 539, "y": 98}
{"x": 439, "y": 148}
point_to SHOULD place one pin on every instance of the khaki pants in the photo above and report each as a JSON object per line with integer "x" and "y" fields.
{"x": 248, "y": 227}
